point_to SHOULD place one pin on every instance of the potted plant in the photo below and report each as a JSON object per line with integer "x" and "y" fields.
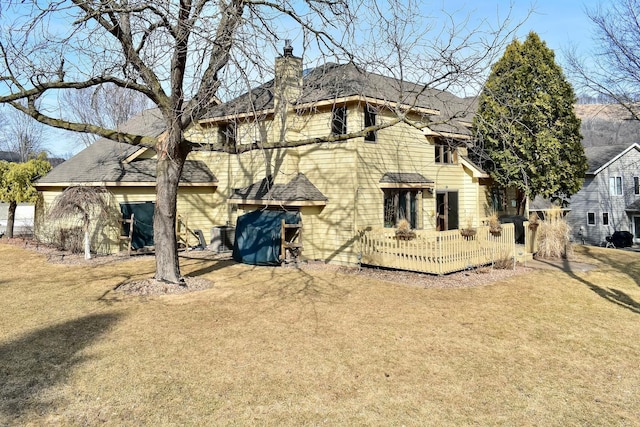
{"x": 404, "y": 231}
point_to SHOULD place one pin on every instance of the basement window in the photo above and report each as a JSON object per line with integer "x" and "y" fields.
{"x": 339, "y": 120}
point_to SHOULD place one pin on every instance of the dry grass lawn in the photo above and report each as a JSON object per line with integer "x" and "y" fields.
{"x": 274, "y": 346}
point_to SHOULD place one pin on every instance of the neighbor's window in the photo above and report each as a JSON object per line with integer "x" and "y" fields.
{"x": 370, "y": 120}
{"x": 615, "y": 185}
{"x": 400, "y": 204}
{"x": 339, "y": 120}
{"x": 227, "y": 133}
{"x": 605, "y": 218}
{"x": 445, "y": 154}
{"x": 591, "y": 218}
{"x": 636, "y": 185}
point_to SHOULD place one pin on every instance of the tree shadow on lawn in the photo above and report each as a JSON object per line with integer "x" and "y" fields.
{"x": 36, "y": 362}
{"x": 612, "y": 257}
{"x": 207, "y": 266}
{"x": 615, "y": 296}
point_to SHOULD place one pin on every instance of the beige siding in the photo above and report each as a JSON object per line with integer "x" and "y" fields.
{"x": 399, "y": 148}
{"x": 103, "y": 232}
{"x": 347, "y": 173}
{"x": 403, "y": 148}
{"x": 192, "y": 205}
{"x": 329, "y": 231}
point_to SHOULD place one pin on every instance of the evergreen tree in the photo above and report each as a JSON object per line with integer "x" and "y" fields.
{"x": 16, "y": 184}
{"x": 526, "y": 128}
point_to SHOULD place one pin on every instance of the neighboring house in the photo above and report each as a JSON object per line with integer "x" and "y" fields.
{"x": 24, "y": 213}
{"x": 14, "y": 157}
{"x": 287, "y": 145}
{"x": 9, "y": 156}
{"x": 23, "y": 221}
{"x": 609, "y": 200}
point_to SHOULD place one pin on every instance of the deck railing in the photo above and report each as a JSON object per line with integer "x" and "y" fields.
{"x": 437, "y": 252}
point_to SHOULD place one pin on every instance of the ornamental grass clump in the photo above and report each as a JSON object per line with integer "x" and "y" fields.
{"x": 554, "y": 236}
{"x": 404, "y": 231}
{"x": 495, "y": 227}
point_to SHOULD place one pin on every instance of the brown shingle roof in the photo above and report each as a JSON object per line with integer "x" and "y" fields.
{"x": 9, "y": 156}
{"x": 103, "y": 161}
{"x": 299, "y": 189}
{"x": 404, "y": 178}
{"x": 597, "y": 157}
{"x": 332, "y": 81}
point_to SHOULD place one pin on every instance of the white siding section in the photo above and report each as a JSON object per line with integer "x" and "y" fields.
{"x": 596, "y": 197}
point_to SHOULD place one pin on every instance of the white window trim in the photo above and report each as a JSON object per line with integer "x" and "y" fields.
{"x": 594, "y": 219}
{"x": 613, "y": 187}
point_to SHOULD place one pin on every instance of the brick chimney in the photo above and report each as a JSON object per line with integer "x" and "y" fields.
{"x": 288, "y": 78}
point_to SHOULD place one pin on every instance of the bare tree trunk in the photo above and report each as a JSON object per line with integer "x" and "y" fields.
{"x": 169, "y": 170}
{"x": 87, "y": 244}
{"x": 11, "y": 218}
{"x": 521, "y": 202}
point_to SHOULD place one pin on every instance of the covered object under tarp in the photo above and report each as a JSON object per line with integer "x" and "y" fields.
{"x": 142, "y": 222}
{"x": 258, "y": 236}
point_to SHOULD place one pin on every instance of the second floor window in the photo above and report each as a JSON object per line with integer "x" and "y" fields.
{"x": 636, "y": 185}
{"x": 370, "y": 120}
{"x": 615, "y": 186}
{"x": 339, "y": 121}
{"x": 444, "y": 154}
{"x": 605, "y": 218}
{"x": 227, "y": 133}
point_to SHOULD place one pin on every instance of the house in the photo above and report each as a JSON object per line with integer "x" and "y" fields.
{"x": 129, "y": 173}
{"x": 609, "y": 200}
{"x": 347, "y": 149}
{"x": 9, "y": 156}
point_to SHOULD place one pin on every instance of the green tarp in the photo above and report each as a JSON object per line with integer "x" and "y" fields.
{"x": 258, "y": 236}
{"x": 142, "y": 223}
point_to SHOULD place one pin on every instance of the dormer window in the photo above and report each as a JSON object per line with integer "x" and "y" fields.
{"x": 370, "y": 120}
{"x": 445, "y": 154}
{"x": 339, "y": 120}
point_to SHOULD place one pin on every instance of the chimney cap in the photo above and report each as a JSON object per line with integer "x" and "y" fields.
{"x": 288, "y": 49}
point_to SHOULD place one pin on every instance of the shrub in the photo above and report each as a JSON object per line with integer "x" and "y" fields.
{"x": 554, "y": 236}
{"x": 70, "y": 239}
{"x": 503, "y": 261}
